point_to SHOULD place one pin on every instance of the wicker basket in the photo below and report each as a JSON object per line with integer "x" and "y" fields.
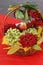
{"x": 20, "y": 52}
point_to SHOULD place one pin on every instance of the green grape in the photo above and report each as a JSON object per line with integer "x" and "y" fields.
{"x": 32, "y": 30}
{"x": 12, "y": 35}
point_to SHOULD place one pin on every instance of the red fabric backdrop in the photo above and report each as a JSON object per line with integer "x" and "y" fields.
{"x": 36, "y": 59}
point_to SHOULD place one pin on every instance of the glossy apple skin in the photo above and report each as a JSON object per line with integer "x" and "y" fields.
{"x": 22, "y": 26}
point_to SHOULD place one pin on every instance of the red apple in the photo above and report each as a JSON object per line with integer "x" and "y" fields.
{"x": 22, "y": 26}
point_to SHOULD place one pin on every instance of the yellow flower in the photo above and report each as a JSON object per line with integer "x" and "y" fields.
{"x": 26, "y": 48}
{"x": 40, "y": 40}
{"x": 39, "y": 32}
{"x": 39, "y": 35}
{"x": 5, "y": 41}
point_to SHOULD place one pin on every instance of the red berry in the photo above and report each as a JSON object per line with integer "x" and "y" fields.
{"x": 29, "y": 24}
{"x": 37, "y": 18}
{"x": 31, "y": 13}
{"x": 38, "y": 23}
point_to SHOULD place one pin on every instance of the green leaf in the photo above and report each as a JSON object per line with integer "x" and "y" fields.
{"x": 10, "y": 7}
{"x": 14, "y": 49}
{"x": 19, "y": 14}
{"x": 30, "y": 4}
{"x": 36, "y": 47}
{"x": 26, "y": 17}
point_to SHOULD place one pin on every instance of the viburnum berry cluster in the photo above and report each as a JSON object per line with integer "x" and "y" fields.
{"x": 37, "y": 19}
{"x": 28, "y": 40}
{"x": 35, "y": 23}
{"x": 34, "y": 14}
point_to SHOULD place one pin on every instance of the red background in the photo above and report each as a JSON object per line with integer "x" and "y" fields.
{"x": 36, "y": 59}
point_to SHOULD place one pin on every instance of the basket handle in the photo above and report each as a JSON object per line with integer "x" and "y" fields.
{"x": 13, "y": 9}
{"x": 40, "y": 13}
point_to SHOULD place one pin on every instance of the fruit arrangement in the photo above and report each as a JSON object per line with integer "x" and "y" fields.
{"x": 24, "y": 38}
